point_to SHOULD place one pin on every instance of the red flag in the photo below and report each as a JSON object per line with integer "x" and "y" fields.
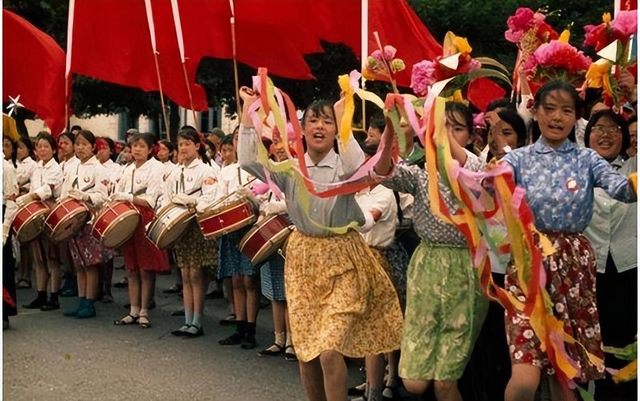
{"x": 483, "y": 91}
{"x": 33, "y": 65}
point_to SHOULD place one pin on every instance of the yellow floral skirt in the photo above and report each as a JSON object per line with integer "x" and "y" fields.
{"x": 339, "y": 298}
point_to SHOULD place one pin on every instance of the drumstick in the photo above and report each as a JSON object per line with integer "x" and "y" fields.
{"x": 224, "y": 198}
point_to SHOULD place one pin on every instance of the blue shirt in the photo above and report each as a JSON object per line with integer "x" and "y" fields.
{"x": 559, "y": 183}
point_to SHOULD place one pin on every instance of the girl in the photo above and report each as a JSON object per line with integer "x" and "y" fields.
{"x": 559, "y": 180}
{"x": 106, "y": 154}
{"x": 9, "y": 209}
{"x": 25, "y": 165}
{"x": 192, "y": 184}
{"x": 10, "y": 149}
{"x": 141, "y": 185}
{"x": 46, "y": 181}
{"x": 234, "y": 266}
{"x": 89, "y": 184}
{"x": 341, "y": 302}
{"x": 69, "y": 165}
{"x": 445, "y": 307}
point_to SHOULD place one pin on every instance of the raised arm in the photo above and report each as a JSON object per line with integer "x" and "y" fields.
{"x": 351, "y": 155}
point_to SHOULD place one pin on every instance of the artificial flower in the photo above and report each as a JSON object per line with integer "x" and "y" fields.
{"x": 626, "y": 23}
{"x": 556, "y": 60}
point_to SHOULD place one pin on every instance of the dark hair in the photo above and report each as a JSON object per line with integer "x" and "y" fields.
{"x": 502, "y": 103}
{"x": 369, "y": 149}
{"x": 618, "y": 120}
{"x": 147, "y": 138}
{"x": 227, "y": 140}
{"x": 27, "y": 142}
{"x": 632, "y": 119}
{"x": 190, "y": 134}
{"x": 456, "y": 107}
{"x": 112, "y": 147}
{"x": 517, "y": 123}
{"x": 210, "y": 144}
{"x": 44, "y": 135}
{"x": 542, "y": 94}
{"x": 168, "y": 145}
{"x": 68, "y": 134}
{"x": 14, "y": 150}
{"x": 76, "y": 128}
{"x": 218, "y": 132}
{"x": 318, "y": 108}
{"x": 377, "y": 122}
{"x": 88, "y": 135}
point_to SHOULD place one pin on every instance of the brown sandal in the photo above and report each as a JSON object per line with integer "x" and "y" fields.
{"x": 127, "y": 320}
{"x": 143, "y": 321}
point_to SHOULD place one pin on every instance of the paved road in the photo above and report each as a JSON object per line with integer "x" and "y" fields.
{"x": 51, "y": 357}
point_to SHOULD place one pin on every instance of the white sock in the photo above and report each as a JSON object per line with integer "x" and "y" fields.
{"x": 134, "y": 311}
{"x": 196, "y": 320}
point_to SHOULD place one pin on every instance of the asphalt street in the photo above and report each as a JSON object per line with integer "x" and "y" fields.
{"x": 51, "y": 357}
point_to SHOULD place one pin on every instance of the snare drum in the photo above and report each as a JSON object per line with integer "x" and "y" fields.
{"x": 169, "y": 225}
{"x": 265, "y": 238}
{"x": 29, "y": 221}
{"x": 115, "y": 224}
{"x": 65, "y": 220}
{"x": 227, "y": 218}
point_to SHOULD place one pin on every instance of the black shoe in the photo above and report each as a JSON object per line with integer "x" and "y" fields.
{"x": 35, "y": 304}
{"x": 193, "y": 332}
{"x": 229, "y": 320}
{"x": 290, "y": 355}
{"x": 356, "y": 391}
{"x": 234, "y": 339}
{"x": 152, "y": 304}
{"x": 50, "y": 305}
{"x": 71, "y": 292}
{"x": 279, "y": 350}
{"x": 249, "y": 342}
{"x": 174, "y": 289}
{"x": 181, "y": 331}
{"x": 124, "y": 283}
{"x": 178, "y": 313}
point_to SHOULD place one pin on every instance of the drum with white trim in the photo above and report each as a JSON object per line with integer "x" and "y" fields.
{"x": 115, "y": 224}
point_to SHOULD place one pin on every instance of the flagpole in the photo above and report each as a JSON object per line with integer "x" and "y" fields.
{"x": 178, "y": 25}
{"x": 152, "y": 34}
{"x": 235, "y": 56}
{"x": 364, "y": 52}
{"x": 67, "y": 71}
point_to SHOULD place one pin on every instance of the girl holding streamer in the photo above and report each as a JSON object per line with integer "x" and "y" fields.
{"x": 341, "y": 302}
{"x": 445, "y": 307}
{"x": 559, "y": 179}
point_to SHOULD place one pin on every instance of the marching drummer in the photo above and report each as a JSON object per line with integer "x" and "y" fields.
{"x": 192, "y": 184}
{"x": 69, "y": 165}
{"x": 46, "y": 182}
{"x": 25, "y": 164}
{"x": 106, "y": 154}
{"x": 141, "y": 184}
{"x": 233, "y": 266}
{"x": 88, "y": 185}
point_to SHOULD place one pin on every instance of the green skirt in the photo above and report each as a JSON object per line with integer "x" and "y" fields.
{"x": 444, "y": 314}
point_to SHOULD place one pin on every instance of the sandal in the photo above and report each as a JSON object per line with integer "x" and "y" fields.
{"x": 290, "y": 354}
{"x": 274, "y": 350}
{"x": 127, "y": 320}
{"x": 143, "y": 321}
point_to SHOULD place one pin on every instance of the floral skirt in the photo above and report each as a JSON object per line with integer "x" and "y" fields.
{"x": 444, "y": 315}
{"x": 399, "y": 262}
{"x": 193, "y": 250}
{"x": 139, "y": 252}
{"x": 571, "y": 283}
{"x": 339, "y": 298}
{"x": 86, "y": 250}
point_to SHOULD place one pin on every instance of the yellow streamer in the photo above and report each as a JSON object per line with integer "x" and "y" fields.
{"x": 349, "y": 109}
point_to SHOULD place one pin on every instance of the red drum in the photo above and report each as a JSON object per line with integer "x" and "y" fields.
{"x": 169, "y": 225}
{"x": 115, "y": 224}
{"x": 29, "y": 221}
{"x": 265, "y": 238}
{"x": 227, "y": 218}
{"x": 65, "y": 220}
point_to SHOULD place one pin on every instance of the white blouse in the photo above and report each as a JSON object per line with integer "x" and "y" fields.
{"x": 233, "y": 177}
{"x": 45, "y": 176}
{"x": 9, "y": 189}
{"x": 144, "y": 182}
{"x": 115, "y": 170}
{"x": 197, "y": 179}
{"x": 24, "y": 170}
{"x": 90, "y": 177}
{"x": 383, "y": 231}
{"x": 70, "y": 165}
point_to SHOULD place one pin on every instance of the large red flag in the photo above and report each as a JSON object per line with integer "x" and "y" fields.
{"x": 33, "y": 68}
